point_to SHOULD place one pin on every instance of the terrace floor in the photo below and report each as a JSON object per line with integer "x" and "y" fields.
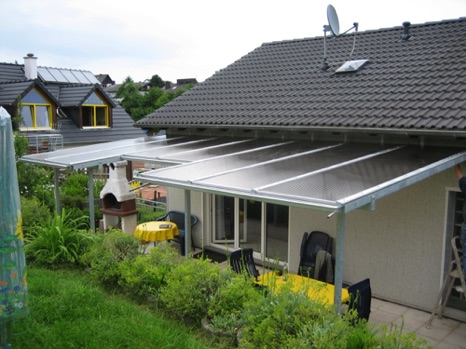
{"x": 444, "y": 333}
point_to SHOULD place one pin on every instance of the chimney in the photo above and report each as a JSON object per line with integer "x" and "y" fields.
{"x": 406, "y": 35}
{"x": 30, "y": 66}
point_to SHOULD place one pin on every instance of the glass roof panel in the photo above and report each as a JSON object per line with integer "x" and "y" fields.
{"x": 283, "y": 169}
{"x": 239, "y": 164}
{"x": 336, "y": 184}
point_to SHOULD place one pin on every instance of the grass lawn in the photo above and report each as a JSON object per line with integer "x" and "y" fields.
{"x": 68, "y": 310}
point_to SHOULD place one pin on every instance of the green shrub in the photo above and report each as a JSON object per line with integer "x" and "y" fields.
{"x": 105, "y": 256}
{"x": 393, "y": 337}
{"x": 33, "y": 213}
{"x": 144, "y": 275}
{"x": 58, "y": 241}
{"x": 278, "y": 318}
{"x": 234, "y": 294}
{"x": 148, "y": 214}
{"x": 36, "y": 181}
{"x": 190, "y": 286}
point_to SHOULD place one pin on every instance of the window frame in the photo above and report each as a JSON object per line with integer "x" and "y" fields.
{"x": 94, "y": 108}
{"x": 33, "y": 106}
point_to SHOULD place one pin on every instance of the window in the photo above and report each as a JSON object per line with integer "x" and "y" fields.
{"x": 36, "y": 111}
{"x": 258, "y": 225}
{"x": 95, "y": 112}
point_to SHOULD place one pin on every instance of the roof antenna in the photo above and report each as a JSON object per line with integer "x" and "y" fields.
{"x": 334, "y": 27}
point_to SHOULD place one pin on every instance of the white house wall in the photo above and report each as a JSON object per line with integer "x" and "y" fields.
{"x": 399, "y": 246}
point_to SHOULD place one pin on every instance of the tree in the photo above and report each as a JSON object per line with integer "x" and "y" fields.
{"x": 138, "y": 104}
{"x": 156, "y": 81}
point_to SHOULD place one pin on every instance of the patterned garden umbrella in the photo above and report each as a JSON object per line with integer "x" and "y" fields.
{"x": 13, "y": 289}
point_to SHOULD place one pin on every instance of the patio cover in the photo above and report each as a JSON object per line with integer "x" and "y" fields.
{"x": 337, "y": 177}
{"x": 318, "y": 174}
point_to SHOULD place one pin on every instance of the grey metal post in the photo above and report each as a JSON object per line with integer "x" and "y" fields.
{"x": 57, "y": 191}
{"x": 187, "y": 222}
{"x": 91, "y": 198}
{"x": 339, "y": 257}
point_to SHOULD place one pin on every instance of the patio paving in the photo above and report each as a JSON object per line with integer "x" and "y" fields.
{"x": 444, "y": 333}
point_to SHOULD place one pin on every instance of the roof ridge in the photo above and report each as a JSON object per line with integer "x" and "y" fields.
{"x": 320, "y": 37}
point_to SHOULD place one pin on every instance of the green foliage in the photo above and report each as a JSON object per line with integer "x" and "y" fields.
{"x": 144, "y": 275}
{"x": 156, "y": 81}
{"x": 106, "y": 256}
{"x": 21, "y": 145}
{"x": 37, "y": 181}
{"x": 148, "y": 214}
{"x": 75, "y": 185}
{"x": 138, "y": 104}
{"x": 34, "y": 213}
{"x": 393, "y": 338}
{"x": 59, "y": 241}
{"x": 234, "y": 294}
{"x": 190, "y": 286}
{"x": 68, "y": 310}
{"x": 280, "y": 317}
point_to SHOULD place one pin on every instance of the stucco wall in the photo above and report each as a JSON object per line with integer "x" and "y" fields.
{"x": 399, "y": 246}
{"x": 175, "y": 201}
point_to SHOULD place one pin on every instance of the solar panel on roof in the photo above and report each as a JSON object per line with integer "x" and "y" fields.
{"x": 66, "y": 75}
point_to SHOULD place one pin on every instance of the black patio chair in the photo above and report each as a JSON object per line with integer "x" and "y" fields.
{"x": 311, "y": 244}
{"x": 242, "y": 260}
{"x": 177, "y": 217}
{"x": 360, "y": 298}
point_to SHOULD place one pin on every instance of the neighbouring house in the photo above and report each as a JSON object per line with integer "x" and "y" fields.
{"x": 61, "y": 107}
{"x": 355, "y": 135}
{"x": 105, "y": 80}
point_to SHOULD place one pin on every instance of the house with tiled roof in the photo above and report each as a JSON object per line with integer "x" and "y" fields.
{"x": 61, "y": 107}
{"x": 355, "y": 135}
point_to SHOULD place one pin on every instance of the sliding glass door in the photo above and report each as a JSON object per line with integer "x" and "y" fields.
{"x": 242, "y": 223}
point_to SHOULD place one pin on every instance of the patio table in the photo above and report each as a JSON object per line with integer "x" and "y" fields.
{"x": 315, "y": 289}
{"x": 156, "y": 231}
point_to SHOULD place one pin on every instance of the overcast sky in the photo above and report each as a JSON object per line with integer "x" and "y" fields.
{"x": 183, "y": 38}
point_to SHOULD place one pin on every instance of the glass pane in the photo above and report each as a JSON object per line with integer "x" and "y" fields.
{"x": 277, "y": 232}
{"x": 45, "y": 74}
{"x": 26, "y": 113}
{"x": 224, "y": 218}
{"x": 69, "y": 75}
{"x": 56, "y": 73}
{"x": 252, "y": 221}
{"x": 93, "y": 99}
{"x": 34, "y": 97}
{"x": 88, "y": 116}
{"x": 101, "y": 119}
{"x": 42, "y": 116}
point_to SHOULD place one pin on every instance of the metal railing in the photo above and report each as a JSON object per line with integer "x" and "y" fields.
{"x": 42, "y": 143}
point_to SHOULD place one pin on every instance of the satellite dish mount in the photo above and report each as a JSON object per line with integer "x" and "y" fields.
{"x": 333, "y": 26}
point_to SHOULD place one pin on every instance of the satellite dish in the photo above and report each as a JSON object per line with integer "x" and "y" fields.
{"x": 333, "y": 20}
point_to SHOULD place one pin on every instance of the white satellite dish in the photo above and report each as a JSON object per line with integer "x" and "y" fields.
{"x": 332, "y": 18}
{"x": 334, "y": 27}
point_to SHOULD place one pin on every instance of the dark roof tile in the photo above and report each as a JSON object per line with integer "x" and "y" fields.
{"x": 404, "y": 84}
